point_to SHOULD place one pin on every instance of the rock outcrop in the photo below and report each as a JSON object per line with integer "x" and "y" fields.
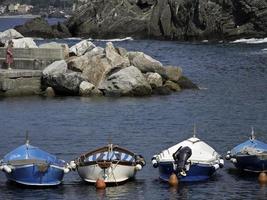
{"x": 39, "y": 27}
{"x": 110, "y": 19}
{"x": 171, "y": 19}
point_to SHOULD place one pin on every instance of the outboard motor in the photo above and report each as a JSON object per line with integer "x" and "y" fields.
{"x": 180, "y": 159}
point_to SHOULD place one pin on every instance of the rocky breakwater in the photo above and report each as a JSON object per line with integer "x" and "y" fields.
{"x": 171, "y": 19}
{"x": 111, "y": 71}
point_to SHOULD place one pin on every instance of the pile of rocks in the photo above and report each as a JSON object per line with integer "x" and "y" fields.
{"x": 111, "y": 71}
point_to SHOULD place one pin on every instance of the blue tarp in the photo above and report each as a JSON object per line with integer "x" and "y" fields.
{"x": 30, "y": 152}
{"x": 253, "y": 144}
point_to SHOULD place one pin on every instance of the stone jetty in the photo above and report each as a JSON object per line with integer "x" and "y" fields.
{"x": 85, "y": 70}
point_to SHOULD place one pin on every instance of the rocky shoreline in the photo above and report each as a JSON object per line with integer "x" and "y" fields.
{"x": 184, "y": 20}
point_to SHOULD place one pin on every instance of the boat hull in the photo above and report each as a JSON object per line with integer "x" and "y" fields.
{"x": 30, "y": 175}
{"x": 251, "y": 163}
{"x": 116, "y": 173}
{"x": 197, "y": 172}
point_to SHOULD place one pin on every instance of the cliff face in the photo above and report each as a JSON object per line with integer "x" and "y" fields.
{"x": 110, "y": 18}
{"x": 171, "y": 19}
{"x": 208, "y": 19}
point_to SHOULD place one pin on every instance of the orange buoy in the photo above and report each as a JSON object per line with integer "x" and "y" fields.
{"x": 173, "y": 180}
{"x": 100, "y": 184}
{"x": 262, "y": 178}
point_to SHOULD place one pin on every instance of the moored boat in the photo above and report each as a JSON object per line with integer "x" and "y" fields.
{"x": 190, "y": 160}
{"x": 31, "y": 166}
{"x": 250, "y": 155}
{"x": 111, "y": 163}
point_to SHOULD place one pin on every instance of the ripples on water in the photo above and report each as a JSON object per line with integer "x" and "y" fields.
{"x": 235, "y": 99}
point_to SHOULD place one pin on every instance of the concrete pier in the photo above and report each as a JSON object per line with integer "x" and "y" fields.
{"x": 32, "y": 58}
{"x": 25, "y": 76}
{"x": 18, "y": 82}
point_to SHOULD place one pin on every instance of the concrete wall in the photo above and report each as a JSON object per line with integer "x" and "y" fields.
{"x": 32, "y": 58}
{"x": 20, "y": 82}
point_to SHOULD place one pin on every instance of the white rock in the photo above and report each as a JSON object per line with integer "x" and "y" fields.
{"x": 23, "y": 43}
{"x": 146, "y": 63}
{"x": 115, "y": 59}
{"x": 57, "y": 67}
{"x": 128, "y": 81}
{"x": 82, "y": 47}
{"x": 154, "y": 79}
{"x": 9, "y": 35}
{"x": 86, "y": 88}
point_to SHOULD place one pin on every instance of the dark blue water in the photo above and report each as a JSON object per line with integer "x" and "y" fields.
{"x": 233, "y": 78}
{"x": 6, "y": 23}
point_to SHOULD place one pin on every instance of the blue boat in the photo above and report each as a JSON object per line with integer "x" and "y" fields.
{"x": 31, "y": 166}
{"x": 191, "y": 160}
{"x": 250, "y": 155}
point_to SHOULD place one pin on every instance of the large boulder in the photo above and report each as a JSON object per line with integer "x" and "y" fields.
{"x": 145, "y": 63}
{"x": 9, "y": 35}
{"x": 186, "y": 83}
{"x": 57, "y": 67}
{"x": 79, "y": 63}
{"x": 128, "y": 81}
{"x": 173, "y": 73}
{"x": 58, "y": 77}
{"x": 23, "y": 43}
{"x": 81, "y": 48}
{"x": 114, "y": 58}
{"x": 96, "y": 70}
{"x": 88, "y": 89}
{"x": 172, "y": 86}
{"x": 154, "y": 79}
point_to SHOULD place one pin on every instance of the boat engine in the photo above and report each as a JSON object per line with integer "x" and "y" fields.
{"x": 181, "y": 157}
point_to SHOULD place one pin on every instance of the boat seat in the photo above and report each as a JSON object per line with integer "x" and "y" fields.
{"x": 26, "y": 162}
{"x": 108, "y": 156}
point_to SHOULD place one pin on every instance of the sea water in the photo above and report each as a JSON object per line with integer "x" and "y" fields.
{"x": 232, "y": 98}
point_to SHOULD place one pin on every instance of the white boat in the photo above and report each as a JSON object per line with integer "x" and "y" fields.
{"x": 111, "y": 163}
{"x": 190, "y": 160}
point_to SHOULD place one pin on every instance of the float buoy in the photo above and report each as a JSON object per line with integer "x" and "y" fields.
{"x": 138, "y": 167}
{"x": 262, "y": 178}
{"x": 173, "y": 180}
{"x": 100, "y": 184}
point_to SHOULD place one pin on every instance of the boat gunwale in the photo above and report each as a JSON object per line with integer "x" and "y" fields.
{"x": 106, "y": 148}
{"x": 117, "y": 162}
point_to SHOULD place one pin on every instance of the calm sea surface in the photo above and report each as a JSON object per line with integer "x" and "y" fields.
{"x": 233, "y": 78}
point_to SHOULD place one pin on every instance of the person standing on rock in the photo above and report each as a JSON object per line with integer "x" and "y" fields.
{"x": 9, "y": 54}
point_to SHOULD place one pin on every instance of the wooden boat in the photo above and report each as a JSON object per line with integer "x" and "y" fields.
{"x": 250, "y": 155}
{"x": 190, "y": 160}
{"x": 31, "y": 166}
{"x": 111, "y": 163}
